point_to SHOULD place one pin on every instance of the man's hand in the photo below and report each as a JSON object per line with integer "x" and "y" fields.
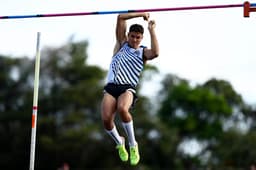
{"x": 146, "y": 16}
{"x": 151, "y": 24}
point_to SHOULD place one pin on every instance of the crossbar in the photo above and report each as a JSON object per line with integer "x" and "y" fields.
{"x": 124, "y": 11}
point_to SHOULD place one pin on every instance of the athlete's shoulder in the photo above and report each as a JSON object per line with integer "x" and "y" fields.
{"x": 143, "y": 46}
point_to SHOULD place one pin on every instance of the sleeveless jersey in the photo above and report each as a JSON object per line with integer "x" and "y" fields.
{"x": 126, "y": 66}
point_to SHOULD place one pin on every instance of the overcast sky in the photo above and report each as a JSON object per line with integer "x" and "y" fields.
{"x": 196, "y": 45}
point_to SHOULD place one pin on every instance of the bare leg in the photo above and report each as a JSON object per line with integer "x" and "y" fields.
{"x": 108, "y": 109}
{"x": 123, "y": 105}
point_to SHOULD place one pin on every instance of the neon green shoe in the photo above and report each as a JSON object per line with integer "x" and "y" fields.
{"x": 134, "y": 155}
{"x": 123, "y": 154}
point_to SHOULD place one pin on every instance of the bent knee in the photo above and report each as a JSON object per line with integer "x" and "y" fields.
{"x": 122, "y": 110}
{"x": 107, "y": 117}
{"x": 107, "y": 121}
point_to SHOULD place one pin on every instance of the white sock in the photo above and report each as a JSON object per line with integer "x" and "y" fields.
{"x": 115, "y": 135}
{"x": 129, "y": 130}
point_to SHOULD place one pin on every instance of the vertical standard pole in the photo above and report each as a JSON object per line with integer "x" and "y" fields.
{"x": 246, "y": 9}
{"x": 35, "y": 101}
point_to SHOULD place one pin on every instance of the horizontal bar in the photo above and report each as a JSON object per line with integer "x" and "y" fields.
{"x": 123, "y": 11}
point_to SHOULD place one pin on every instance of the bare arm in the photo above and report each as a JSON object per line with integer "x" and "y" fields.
{"x": 153, "y": 52}
{"x": 121, "y": 27}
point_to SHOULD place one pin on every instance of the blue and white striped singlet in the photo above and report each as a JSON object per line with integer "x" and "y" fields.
{"x": 126, "y": 66}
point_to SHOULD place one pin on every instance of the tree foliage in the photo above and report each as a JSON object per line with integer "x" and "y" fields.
{"x": 70, "y": 130}
{"x": 202, "y": 112}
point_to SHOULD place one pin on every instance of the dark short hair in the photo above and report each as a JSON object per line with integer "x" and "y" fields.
{"x": 136, "y": 28}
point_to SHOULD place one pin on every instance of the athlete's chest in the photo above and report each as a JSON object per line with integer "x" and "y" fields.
{"x": 128, "y": 54}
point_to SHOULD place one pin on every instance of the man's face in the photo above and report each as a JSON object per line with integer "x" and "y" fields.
{"x": 134, "y": 39}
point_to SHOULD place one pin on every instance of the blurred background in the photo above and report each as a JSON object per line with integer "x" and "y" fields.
{"x": 185, "y": 127}
{"x": 197, "y": 101}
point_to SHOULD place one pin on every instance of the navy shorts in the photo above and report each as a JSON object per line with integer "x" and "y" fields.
{"x": 116, "y": 90}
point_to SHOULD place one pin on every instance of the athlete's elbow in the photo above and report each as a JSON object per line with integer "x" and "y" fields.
{"x": 153, "y": 56}
{"x": 156, "y": 54}
{"x": 121, "y": 17}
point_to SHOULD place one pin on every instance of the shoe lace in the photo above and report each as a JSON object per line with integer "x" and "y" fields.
{"x": 133, "y": 150}
{"x": 122, "y": 153}
{"x": 120, "y": 148}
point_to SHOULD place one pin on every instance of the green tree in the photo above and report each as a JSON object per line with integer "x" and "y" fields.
{"x": 70, "y": 129}
{"x": 70, "y": 96}
{"x": 15, "y": 110}
{"x": 198, "y": 113}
